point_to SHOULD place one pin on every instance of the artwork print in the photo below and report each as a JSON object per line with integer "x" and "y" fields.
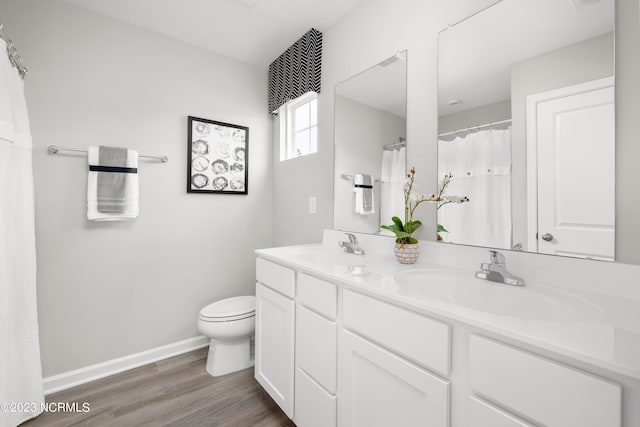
{"x": 217, "y": 157}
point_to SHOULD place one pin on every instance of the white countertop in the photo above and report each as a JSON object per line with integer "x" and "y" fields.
{"x": 601, "y": 329}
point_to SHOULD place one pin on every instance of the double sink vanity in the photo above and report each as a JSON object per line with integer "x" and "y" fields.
{"x": 361, "y": 340}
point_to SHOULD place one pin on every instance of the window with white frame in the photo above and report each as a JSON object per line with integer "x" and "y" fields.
{"x": 299, "y": 126}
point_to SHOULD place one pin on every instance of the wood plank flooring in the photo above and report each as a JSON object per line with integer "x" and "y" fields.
{"x": 171, "y": 392}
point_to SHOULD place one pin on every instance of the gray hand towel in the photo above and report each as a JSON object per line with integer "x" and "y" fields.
{"x": 363, "y": 187}
{"x": 111, "y": 185}
{"x": 367, "y": 193}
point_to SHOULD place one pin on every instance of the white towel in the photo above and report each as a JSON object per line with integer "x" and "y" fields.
{"x": 363, "y": 187}
{"x": 131, "y": 190}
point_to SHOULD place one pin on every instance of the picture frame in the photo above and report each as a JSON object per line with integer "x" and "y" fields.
{"x": 217, "y": 157}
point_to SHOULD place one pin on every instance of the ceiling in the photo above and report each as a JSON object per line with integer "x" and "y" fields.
{"x": 251, "y": 31}
{"x": 475, "y": 56}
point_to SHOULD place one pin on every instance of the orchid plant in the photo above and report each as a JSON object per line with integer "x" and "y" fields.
{"x": 404, "y": 231}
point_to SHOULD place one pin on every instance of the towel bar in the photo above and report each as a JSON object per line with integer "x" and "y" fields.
{"x": 350, "y": 177}
{"x": 54, "y": 149}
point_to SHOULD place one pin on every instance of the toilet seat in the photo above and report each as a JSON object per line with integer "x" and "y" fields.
{"x": 229, "y": 309}
{"x": 226, "y": 319}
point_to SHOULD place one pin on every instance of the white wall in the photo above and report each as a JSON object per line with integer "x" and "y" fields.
{"x": 361, "y": 131}
{"x": 107, "y": 290}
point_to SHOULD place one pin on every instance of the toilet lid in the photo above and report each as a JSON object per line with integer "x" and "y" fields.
{"x": 236, "y": 306}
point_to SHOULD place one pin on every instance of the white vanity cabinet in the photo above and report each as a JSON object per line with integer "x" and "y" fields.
{"x": 383, "y": 380}
{"x": 275, "y": 317}
{"x": 538, "y": 389}
{"x": 334, "y": 352}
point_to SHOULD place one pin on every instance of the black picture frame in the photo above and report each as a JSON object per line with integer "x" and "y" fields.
{"x": 217, "y": 157}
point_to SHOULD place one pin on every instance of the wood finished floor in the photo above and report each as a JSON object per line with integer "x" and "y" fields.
{"x": 172, "y": 392}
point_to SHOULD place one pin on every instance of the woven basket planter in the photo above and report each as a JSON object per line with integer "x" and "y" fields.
{"x": 407, "y": 253}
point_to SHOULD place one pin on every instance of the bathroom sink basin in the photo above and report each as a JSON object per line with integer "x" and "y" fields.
{"x": 528, "y": 302}
{"x": 327, "y": 256}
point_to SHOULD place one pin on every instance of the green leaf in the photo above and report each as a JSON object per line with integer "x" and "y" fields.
{"x": 394, "y": 228}
{"x": 412, "y": 226}
{"x": 403, "y": 234}
{"x": 441, "y": 229}
{"x": 398, "y": 222}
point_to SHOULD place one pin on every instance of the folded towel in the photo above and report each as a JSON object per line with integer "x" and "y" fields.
{"x": 112, "y": 179}
{"x": 112, "y": 187}
{"x": 363, "y": 187}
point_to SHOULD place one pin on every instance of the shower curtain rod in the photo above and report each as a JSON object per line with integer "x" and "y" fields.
{"x": 54, "y": 149}
{"x": 475, "y": 127}
{"x": 12, "y": 52}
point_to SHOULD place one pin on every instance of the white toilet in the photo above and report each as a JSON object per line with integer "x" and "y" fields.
{"x": 230, "y": 323}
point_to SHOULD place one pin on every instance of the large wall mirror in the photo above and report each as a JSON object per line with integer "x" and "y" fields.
{"x": 527, "y": 127}
{"x": 370, "y": 145}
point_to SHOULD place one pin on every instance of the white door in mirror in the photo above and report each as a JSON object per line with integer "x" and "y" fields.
{"x": 575, "y": 140}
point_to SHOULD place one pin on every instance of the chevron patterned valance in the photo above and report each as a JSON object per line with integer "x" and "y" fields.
{"x": 297, "y": 71}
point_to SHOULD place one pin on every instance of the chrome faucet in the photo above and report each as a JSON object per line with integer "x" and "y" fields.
{"x": 351, "y": 246}
{"x": 496, "y": 270}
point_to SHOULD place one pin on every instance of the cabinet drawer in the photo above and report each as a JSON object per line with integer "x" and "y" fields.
{"x": 482, "y": 414}
{"x": 316, "y": 347}
{"x": 544, "y": 391}
{"x": 318, "y": 295}
{"x": 421, "y": 339}
{"x": 277, "y": 277}
{"x": 314, "y": 406}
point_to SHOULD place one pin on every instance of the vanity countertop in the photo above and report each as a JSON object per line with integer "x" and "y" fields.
{"x": 596, "y": 328}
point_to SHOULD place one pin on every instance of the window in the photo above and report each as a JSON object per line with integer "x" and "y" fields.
{"x": 299, "y": 126}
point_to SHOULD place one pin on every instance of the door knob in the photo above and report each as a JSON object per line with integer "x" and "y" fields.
{"x": 547, "y": 237}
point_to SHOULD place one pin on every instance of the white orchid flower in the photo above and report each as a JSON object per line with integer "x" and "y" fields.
{"x": 454, "y": 199}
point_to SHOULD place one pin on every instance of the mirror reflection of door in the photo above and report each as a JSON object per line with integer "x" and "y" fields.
{"x": 563, "y": 190}
{"x": 571, "y": 149}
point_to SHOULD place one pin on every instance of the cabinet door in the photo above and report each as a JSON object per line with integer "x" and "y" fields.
{"x": 275, "y": 315}
{"x": 378, "y": 388}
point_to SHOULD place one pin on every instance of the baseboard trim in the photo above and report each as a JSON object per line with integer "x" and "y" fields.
{"x": 84, "y": 375}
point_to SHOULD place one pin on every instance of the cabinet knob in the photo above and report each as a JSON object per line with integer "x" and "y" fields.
{"x": 547, "y": 237}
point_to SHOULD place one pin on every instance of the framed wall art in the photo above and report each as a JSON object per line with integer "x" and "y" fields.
{"x": 217, "y": 158}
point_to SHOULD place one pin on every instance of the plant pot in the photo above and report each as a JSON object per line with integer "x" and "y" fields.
{"x": 407, "y": 253}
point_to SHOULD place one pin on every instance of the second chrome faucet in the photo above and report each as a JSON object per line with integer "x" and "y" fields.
{"x": 496, "y": 270}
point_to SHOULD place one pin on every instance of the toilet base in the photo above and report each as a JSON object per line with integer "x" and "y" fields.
{"x": 226, "y": 357}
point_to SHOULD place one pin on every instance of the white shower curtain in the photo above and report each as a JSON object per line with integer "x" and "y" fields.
{"x": 394, "y": 166}
{"x": 20, "y": 370}
{"x": 481, "y": 166}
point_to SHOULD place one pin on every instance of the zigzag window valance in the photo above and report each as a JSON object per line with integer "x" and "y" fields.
{"x": 297, "y": 71}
